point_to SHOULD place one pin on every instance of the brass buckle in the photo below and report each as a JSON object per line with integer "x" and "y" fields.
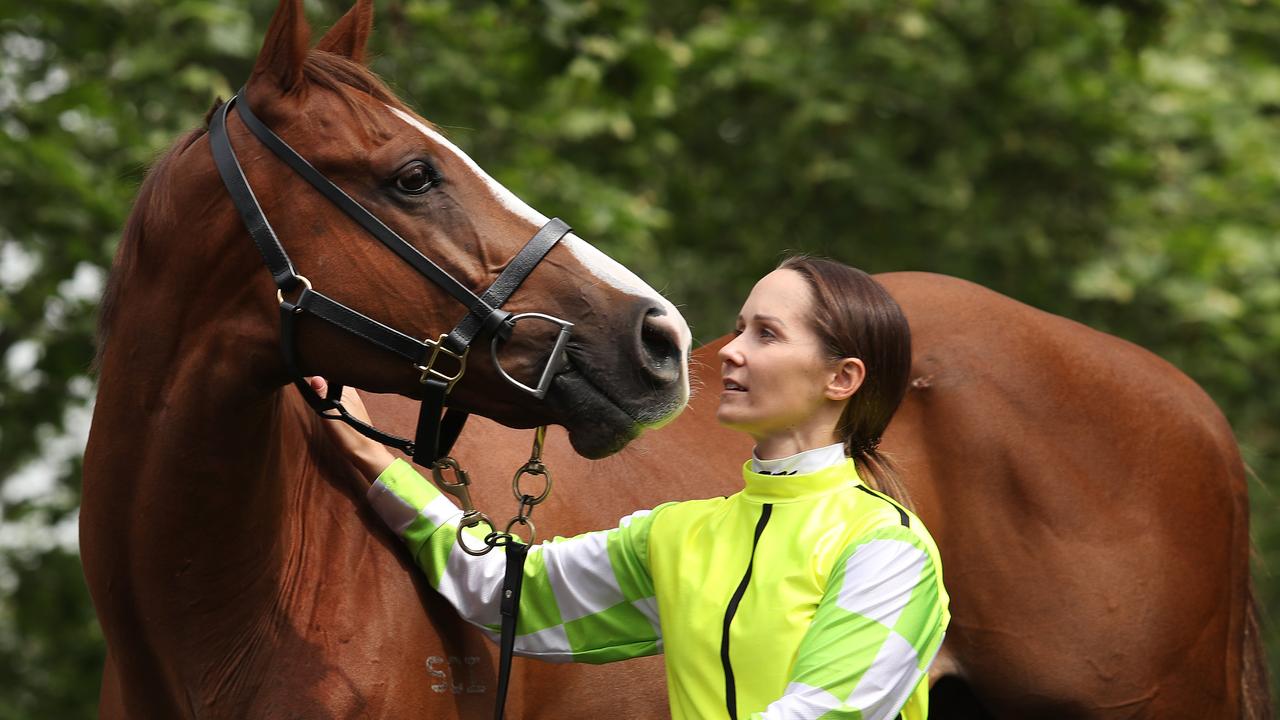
{"x": 429, "y": 370}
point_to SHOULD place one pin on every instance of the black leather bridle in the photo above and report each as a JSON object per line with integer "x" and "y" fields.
{"x": 440, "y": 362}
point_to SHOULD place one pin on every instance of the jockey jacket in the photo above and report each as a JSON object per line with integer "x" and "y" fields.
{"x": 804, "y": 595}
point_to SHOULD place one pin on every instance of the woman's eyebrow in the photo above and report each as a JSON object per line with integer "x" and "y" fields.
{"x": 769, "y": 318}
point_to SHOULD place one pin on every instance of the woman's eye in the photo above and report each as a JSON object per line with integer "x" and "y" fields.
{"x": 415, "y": 179}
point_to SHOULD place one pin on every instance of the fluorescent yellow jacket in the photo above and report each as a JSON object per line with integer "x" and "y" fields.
{"x": 802, "y": 596}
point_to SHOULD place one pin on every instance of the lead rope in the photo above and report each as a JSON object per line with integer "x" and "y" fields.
{"x": 516, "y": 551}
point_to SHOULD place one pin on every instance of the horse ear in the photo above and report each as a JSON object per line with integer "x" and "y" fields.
{"x": 349, "y": 36}
{"x": 284, "y": 49}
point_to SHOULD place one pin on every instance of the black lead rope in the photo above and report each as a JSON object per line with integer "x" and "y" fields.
{"x": 511, "y": 584}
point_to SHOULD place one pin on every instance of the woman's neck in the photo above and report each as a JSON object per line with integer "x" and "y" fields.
{"x": 792, "y": 442}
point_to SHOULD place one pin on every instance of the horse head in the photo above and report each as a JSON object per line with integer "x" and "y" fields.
{"x": 625, "y": 361}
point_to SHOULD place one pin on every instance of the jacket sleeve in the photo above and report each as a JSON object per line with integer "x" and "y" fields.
{"x": 585, "y": 599}
{"x": 877, "y": 628}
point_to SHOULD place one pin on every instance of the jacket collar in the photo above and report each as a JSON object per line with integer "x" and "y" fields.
{"x": 800, "y": 486}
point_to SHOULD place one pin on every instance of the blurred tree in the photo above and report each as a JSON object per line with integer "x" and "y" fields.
{"x": 1109, "y": 161}
{"x": 89, "y": 92}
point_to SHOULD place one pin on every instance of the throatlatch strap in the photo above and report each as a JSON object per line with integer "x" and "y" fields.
{"x": 511, "y": 584}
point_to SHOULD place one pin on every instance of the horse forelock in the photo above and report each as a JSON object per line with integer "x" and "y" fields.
{"x": 341, "y": 75}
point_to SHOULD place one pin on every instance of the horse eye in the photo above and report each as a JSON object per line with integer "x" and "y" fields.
{"x": 415, "y": 179}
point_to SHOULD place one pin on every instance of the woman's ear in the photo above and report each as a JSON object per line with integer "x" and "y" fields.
{"x": 846, "y": 378}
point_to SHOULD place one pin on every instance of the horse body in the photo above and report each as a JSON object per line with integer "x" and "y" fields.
{"x": 1088, "y": 499}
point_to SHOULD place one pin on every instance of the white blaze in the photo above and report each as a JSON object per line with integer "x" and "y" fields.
{"x": 504, "y": 196}
{"x": 604, "y": 268}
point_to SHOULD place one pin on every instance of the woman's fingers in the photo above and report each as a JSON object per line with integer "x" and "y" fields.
{"x": 354, "y": 405}
{"x": 350, "y": 398}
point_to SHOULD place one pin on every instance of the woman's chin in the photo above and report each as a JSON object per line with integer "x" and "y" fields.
{"x": 730, "y": 417}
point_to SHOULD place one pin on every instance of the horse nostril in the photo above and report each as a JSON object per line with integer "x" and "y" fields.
{"x": 658, "y": 338}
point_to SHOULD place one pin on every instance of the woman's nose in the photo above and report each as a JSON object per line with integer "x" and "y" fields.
{"x": 730, "y": 353}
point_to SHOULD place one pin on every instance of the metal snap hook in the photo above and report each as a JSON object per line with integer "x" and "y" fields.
{"x": 474, "y": 519}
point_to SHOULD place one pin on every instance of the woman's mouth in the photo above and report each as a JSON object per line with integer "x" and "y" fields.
{"x": 731, "y": 386}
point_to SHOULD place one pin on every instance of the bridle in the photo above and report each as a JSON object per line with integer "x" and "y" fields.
{"x": 441, "y": 362}
{"x": 436, "y": 433}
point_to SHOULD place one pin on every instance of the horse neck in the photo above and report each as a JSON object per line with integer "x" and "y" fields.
{"x": 209, "y": 452}
{"x": 198, "y": 456}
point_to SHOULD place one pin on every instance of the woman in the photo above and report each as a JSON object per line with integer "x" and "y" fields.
{"x": 805, "y": 595}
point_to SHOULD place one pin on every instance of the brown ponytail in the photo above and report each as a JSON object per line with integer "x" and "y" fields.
{"x": 855, "y": 316}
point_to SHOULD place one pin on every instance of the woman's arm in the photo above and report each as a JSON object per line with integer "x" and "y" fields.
{"x": 877, "y": 628}
{"x": 585, "y": 599}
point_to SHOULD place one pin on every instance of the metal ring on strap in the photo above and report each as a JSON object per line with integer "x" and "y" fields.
{"x": 306, "y": 285}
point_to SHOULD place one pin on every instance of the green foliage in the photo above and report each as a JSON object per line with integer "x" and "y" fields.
{"x": 1112, "y": 162}
{"x": 50, "y": 641}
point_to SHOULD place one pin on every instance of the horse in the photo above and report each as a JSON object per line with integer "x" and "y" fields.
{"x": 1088, "y": 500}
{"x": 233, "y": 566}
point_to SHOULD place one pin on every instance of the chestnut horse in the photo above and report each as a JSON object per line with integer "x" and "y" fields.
{"x": 1088, "y": 499}
{"x": 233, "y": 567}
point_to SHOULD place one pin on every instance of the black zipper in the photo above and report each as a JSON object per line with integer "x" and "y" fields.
{"x": 730, "y": 692}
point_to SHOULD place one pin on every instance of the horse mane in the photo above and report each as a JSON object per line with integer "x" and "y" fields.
{"x": 127, "y": 253}
{"x": 323, "y": 69}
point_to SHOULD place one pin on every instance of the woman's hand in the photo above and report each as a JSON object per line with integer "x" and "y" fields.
{"x": 369, "y": 457}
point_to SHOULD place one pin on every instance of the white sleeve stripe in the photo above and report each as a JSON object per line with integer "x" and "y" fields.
{"x": 800, "y": 702}
{"x": 441, "y": 511}
{"x": 649, "y": 608}
{"x": 550, "y": 644}
{"x": 624, "y": 522}
{"x": 396, "y": 513}
{"x": 879, "y": 578}
{"x": 886, "y": 685}
{"x": 581, "y": 576}
{"x": 473, "y": 585}
{"x": 399, "y": 515}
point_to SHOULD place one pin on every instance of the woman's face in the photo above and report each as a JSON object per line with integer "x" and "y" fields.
{"x": 775, "y": 372}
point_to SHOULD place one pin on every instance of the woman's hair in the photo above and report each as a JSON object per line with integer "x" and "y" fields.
{"x": 855, "y": 316}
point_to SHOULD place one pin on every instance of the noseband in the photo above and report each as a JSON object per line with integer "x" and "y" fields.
{"x": 439, "y": 363}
